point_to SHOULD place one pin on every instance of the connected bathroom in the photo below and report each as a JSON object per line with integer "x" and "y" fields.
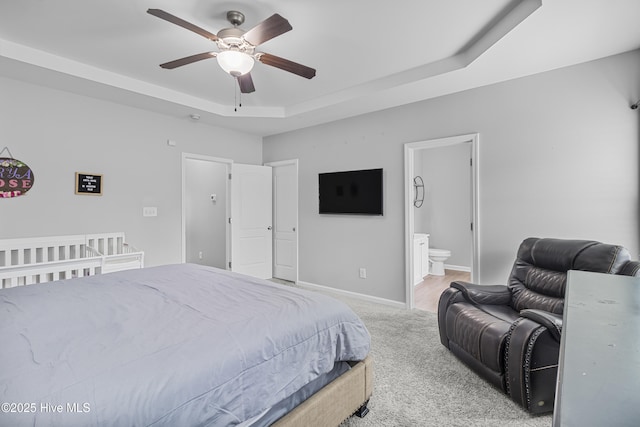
{"x": 443, "y": 237}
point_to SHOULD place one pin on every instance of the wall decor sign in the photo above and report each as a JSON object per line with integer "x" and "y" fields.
{"x": 16, "y": 178}
{"x": 88, "y": 184}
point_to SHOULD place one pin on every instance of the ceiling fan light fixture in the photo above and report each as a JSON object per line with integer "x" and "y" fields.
{"x": 235, "y": 63}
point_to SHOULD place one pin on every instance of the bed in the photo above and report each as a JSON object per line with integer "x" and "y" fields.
{"x": 179, "y": 345}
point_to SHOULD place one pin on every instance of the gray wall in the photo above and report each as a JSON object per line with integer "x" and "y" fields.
{"x": 558, "y": 156}
{"x": 446, "y": 212}
{"x": 59, "y": 133}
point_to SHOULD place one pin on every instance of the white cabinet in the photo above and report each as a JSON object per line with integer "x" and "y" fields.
{"x": 420, "y": 257}
{"x": 424, "y": 257}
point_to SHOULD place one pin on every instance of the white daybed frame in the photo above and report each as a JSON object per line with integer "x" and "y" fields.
{"x": 25, "y": 261}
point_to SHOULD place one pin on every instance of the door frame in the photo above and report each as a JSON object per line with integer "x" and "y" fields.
{"x": 228, "y": 163}
{"x": 409, "y": 172}
{"x": 273, "y": 166}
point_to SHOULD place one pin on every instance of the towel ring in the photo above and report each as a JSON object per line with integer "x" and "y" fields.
{"x": 418, "y": 183}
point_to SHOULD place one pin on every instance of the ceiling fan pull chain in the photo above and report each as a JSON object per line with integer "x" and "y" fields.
{"x": 235, "y": 95}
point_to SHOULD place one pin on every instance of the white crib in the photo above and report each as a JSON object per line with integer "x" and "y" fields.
{"x": 25, "y": 261}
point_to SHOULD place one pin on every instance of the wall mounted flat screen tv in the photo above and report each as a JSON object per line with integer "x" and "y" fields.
{"x": 351, "y": 192}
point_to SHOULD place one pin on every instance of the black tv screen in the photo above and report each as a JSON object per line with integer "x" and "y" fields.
{"x": 351, "y": 192}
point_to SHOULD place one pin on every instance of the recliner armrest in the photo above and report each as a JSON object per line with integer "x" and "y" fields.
{"x": 551, "y": 321}
{"x": 481, "y": 294}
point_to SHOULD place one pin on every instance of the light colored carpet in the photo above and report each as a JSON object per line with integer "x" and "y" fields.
{"x": 418, "y": 382}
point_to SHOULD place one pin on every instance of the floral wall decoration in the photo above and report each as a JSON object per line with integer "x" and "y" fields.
{"x": 16, "y": 178}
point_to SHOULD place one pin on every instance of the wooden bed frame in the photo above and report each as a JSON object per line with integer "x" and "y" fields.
{"x": 43, "y": 259}
{"x": 25, "y": 261}
{"x": 345, "y": 396}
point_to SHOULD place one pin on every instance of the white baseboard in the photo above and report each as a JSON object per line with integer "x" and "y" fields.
{"x": 363, "y": 297}
{"x": 457, "y": 268}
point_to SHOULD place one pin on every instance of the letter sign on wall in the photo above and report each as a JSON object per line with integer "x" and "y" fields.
{"x": 16, "y": 178}
{"x": 88, "y": 183}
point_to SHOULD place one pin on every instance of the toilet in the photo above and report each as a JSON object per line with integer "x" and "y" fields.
{"x": 437, "y": 258}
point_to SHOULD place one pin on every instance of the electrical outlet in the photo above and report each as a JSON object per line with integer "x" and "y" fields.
{"x": 363, "y": 273}
{"x": 200, "y": 254}
{"x": 149, "y": 211}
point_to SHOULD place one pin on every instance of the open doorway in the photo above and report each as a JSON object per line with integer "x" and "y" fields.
{"x": 441, "y": 212}
{"x": 205, "y": 209}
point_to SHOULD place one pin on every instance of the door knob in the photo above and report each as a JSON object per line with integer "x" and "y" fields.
{"x": 269, "y": 228}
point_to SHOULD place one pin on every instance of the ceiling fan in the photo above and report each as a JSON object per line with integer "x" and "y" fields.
{"x": 237, "y": 47}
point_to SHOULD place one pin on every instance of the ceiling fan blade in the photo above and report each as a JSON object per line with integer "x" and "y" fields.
{"x": 188, "y": 60}
{"x": 267, "y": 29}
{"x": 181, "y": 22}
{"x": 246, "y": 83}
{"x": 285, "y": 64}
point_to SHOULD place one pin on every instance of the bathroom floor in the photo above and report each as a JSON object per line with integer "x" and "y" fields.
{"x": 427, "y": 293}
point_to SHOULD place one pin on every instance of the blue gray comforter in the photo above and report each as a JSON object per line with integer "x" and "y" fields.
{"x": 181, "y": 345}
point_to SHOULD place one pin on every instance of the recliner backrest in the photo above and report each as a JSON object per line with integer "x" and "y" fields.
{"x": 539, "y": 274}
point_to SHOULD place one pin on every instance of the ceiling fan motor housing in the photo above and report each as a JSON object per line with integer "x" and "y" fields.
{"x": 231, "y": 39}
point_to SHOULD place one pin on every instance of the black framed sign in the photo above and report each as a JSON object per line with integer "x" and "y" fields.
{"x": 88, "y": 183}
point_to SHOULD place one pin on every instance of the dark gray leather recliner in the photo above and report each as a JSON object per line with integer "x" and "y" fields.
{"x": 510, "y": 335}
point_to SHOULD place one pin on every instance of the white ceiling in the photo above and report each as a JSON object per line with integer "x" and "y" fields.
{"x": 368, "y": 55}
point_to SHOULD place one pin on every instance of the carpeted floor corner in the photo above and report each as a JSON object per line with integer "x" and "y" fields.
{"x": 417, "y": 382}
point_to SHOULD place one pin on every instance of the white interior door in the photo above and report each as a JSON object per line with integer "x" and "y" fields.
{"x": 251, "y": 226}
{"x": 285, "y": 219}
